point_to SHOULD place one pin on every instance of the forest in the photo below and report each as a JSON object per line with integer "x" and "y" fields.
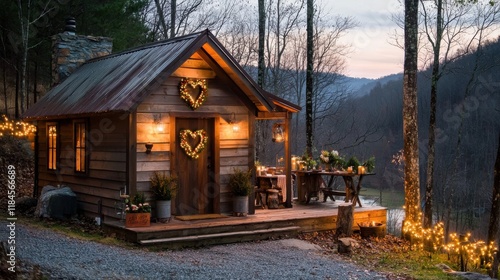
{"x": 459, "y": 63}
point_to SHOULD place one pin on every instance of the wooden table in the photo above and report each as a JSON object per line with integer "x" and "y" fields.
{"x": 309, "y": 183}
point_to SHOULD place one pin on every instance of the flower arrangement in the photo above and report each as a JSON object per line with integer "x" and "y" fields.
{"x": 193, "y": 153}
{"x": 138, "y": 204}
{"x": 324, "y": 157}
{"x": 308, "y": 161}
{"x": 332, "y": 158}
{"x": 193, "y": 104}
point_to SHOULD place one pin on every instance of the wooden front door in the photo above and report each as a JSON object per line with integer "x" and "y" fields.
{"x": 197, "y": 193}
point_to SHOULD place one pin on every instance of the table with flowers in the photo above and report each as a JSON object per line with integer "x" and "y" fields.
{"x": 309, "y": 184}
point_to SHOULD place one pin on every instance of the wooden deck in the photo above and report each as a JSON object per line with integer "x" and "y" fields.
{"x": 266, "y": 223}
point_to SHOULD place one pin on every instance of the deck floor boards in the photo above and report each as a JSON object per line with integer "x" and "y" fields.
{"x": 315, "y": 216}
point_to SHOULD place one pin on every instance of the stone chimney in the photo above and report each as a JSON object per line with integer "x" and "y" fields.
{"x": 71, "y": 50}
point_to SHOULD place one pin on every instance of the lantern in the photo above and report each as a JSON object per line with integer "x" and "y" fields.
{"x": 278, "y": 132}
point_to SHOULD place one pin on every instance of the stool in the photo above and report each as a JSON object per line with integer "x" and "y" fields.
{"x": 259, "y": 193}
{"x": 273, "y": 201}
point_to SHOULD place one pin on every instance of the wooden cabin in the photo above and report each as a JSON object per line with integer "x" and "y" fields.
{"x": 108, "y": 126}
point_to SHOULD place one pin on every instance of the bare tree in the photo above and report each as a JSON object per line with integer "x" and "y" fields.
{"x": 262, "y": 36}
{"x": 436, "y": 46}
{"x": 190, "y": 16}
{"x": 495, "y": 211}
{"x": 410, "y": 123}
{"x": 29, "y": 14}
{"x": 173, "y": 12}
{"x": 445, "y": 26}
{"x": 309, "y": 78}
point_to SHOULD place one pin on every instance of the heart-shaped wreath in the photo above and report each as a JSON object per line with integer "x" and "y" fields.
{"x": 183, "y": 90}
{"x": 193, "y": 153}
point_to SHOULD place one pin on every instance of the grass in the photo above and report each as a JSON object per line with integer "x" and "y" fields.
{"x": 82, "y": 229}
{"x": 390, "y": 199}
{"x": 414, "y": 264}
{"x": 390, "y": 256}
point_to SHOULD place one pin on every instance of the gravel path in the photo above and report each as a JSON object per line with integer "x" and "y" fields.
{"x": 62, "y": 257}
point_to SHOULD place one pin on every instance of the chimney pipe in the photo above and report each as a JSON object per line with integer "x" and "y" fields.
{"x": 70, "y": 27}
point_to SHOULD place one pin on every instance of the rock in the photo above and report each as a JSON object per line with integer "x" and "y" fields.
{"x": 346, "y": 244}
{"x": 56, "y": 203}
{"x": 26, "y": 205}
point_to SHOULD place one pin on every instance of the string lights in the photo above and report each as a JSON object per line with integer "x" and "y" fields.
{"x": 460, "y": 247}
{"x": 193, "y": 153}
{"x": 183, "y": 90}
{"x": 15, "y": 128}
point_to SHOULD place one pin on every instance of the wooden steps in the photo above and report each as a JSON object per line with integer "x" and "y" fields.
{"x": 265, "y": 224}
{"x": 291, "y": 229}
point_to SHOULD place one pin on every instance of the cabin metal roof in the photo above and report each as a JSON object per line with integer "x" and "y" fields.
{"x": 119, "y": 82}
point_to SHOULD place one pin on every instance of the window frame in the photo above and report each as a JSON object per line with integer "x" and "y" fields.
{"x": 79, "y": 149}
{"x": 53, "y": 148}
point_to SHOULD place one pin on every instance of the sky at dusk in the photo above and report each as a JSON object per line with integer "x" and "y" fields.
{"x": 372, "y": 54}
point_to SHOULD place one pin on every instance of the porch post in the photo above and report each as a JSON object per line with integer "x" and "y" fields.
{"x": 288, "y": 161}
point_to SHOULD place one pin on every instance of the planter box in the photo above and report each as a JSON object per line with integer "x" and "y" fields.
{"x": 137, "y": 220}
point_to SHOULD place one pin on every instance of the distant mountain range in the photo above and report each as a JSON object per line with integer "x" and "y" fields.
{"x": 362, "y": 86}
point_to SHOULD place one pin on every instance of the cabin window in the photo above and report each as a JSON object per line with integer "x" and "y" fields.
{"x": 80, "y": 141}
{"x": 52, "y": 146}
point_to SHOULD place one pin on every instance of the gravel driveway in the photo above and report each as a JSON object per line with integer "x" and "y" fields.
{"x": 63, "y": 257}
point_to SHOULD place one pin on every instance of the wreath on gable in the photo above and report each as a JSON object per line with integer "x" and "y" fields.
{"x": 193, "y": 153}
{"x": 183, "y": 90}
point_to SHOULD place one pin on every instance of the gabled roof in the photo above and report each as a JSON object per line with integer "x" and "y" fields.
{"x": 119, "y": 82}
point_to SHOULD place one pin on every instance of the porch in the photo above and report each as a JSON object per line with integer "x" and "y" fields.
{"x": 265, "y": 224}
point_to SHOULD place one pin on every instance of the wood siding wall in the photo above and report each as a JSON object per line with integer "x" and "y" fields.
{"x": 107, "y": 156}
{"x": 236, "y": 149}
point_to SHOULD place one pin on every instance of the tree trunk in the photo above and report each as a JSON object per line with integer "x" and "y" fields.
{"x": 410, "y": 111}
{"x": 173, "y": 15}
{"x": 161, "y": 17}
{"x": 309, "y": 78}
{"x": 260, "y": 73}
{"x": 262, "y": 34}
{"x": 34, "y": 83}
{"x": 432, "y": 119}
{"x": 6, "y": 107}
{"x": 345, "y": 220}
{"x": 16, "y": 101}
{"x": 495, "y": 211}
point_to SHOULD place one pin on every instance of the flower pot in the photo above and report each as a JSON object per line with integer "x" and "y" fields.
{"x": 240, "y": 205}
{"x": 375, "y": 230}
{"x": 163, "y": 209}
{"x": 137, "y": 220}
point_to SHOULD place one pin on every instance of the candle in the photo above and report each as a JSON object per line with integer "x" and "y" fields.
{"x": 349, "y": 169}
{"x": 360, "y": 169}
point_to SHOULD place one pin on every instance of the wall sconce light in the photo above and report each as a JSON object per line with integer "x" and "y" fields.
{"x": 278, "y": 132}
{"x": 234, "y": 124}
{"x": 149, "y": 147}
{"x": 158, "y": 125}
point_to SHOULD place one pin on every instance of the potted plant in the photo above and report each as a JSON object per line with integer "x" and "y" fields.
{"x": 164, "y": 188}
{"x": 241, "y": 186}
{"x": 138, "y": 211}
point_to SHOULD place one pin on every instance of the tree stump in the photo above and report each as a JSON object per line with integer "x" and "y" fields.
{"x": 345, "y": 220}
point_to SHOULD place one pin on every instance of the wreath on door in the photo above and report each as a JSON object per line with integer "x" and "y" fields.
{"x": 190, "y": 151}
